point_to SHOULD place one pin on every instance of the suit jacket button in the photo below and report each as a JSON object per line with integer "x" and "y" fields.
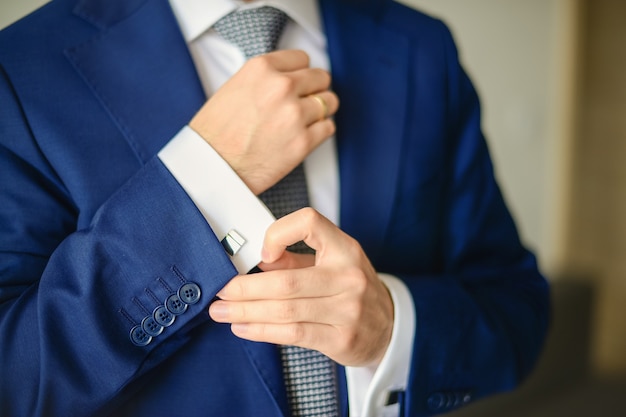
{"x": 189, "y": 293}
{"x": 163, "y": 317}
{"x": 139, "y": 337}
{"x": 436, "y": 401}
{"x": 174, "y": 305}
{"x": 151, "y": 327}
{"x": 467, "y": 398}
{"x": 451, "y": 400}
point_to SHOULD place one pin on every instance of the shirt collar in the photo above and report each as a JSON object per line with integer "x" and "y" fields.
{"x": 196, "y": 16}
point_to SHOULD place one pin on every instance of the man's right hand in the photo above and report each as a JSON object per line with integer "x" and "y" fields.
{"x": 264, "y": 121}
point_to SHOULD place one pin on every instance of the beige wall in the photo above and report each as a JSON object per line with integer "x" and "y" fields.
{"x": 597, "y": 228}
{"x": 11, "y": 10}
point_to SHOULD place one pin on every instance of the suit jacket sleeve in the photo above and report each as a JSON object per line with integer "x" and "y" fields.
{"x": 420, "y": 195}
{"x": 69, "y": 298}
{"x": 482, "y": 308}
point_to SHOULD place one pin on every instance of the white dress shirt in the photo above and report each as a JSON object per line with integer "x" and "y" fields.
{"x": 207, "y": 178}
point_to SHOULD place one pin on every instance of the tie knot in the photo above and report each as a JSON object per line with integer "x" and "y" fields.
{"x": 254, "y": 31}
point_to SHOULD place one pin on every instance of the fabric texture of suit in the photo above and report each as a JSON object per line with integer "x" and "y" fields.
{"x": 95, "y": 233}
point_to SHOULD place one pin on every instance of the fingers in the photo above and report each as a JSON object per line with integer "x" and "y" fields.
{"x": 310, "y": 84}
{"x": 280, "y": 285}
{"x": 338, "y": 306}
{"x": 320, "y": 106}
{"x": 295, "y": 65}
{"x": 289, "y": 260}
{"x": 275, "y": 311}
{"x": 317, "y": 101}
{"x": 306, "y": 225}
{"x": 319, "y": 126}
{"x": 308, "y": 81}
{"x": 285, "y": 60}
{"x": 307, "y": 335}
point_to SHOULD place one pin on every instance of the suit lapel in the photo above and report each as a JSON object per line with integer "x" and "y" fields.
{"x": 266, "y": 359}
{"x": 150, "y": 95}
{"x": 369, "y": 67}
{"x": 140, "y": 70}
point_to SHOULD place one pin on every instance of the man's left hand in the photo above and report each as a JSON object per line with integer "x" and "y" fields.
{"x": 332, "y": 301}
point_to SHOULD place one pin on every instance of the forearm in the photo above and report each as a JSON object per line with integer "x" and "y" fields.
{"x": 98, "y": 285}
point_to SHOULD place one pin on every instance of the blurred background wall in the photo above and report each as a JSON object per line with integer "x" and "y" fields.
{"x": 596, "y": 228}
{"x": 11, "y": 10}
{"x": 552, "y": 78}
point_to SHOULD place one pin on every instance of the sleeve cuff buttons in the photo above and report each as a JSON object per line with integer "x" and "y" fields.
{"x": 189, "y": 293}
{"x": 164, "y": 315}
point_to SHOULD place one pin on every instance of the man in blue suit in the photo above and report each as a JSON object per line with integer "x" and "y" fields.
{"x": 134, "y": 140}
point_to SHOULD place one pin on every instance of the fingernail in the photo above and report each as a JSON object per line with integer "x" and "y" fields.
{"x": 239, "y": 328}
{"x": 218, "y": 311}
{"x": 265, "y": 255}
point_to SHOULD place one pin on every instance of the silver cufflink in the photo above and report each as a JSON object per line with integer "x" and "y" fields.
{"x": 233, "y": 242}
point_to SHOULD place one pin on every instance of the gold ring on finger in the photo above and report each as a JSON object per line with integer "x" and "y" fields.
{"x": 322, "y": 102}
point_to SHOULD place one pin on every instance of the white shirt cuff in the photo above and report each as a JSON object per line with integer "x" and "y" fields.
{"x": 369, "y": 387}
{"x": 222, "y": 197}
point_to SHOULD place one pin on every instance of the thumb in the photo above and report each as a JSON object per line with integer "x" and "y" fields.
{"x": 305, "y": 224}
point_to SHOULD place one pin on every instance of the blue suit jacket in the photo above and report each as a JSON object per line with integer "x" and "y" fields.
{"x": 95, "y": 234}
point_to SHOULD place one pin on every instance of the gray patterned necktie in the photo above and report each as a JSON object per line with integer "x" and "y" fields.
{"x": 310, "y": 377}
